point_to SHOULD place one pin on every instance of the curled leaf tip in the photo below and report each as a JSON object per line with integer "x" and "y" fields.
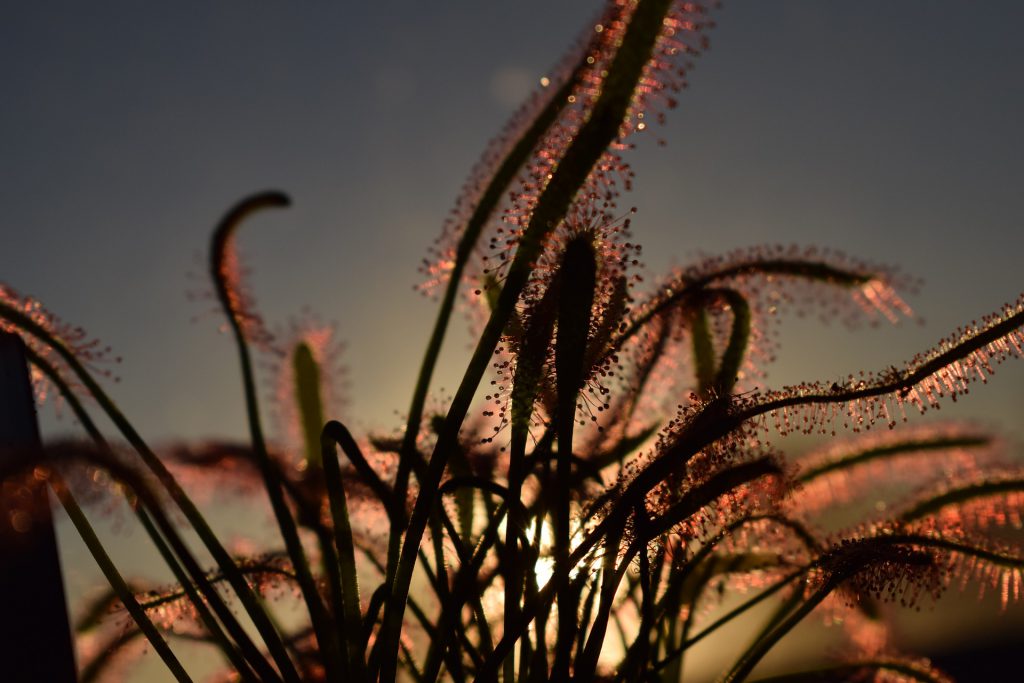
{"x": 226, "y": 269}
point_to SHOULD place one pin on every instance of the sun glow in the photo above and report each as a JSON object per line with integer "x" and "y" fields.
{"x": 544, "y": 567}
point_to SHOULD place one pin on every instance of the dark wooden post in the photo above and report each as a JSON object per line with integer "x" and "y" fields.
{"x": 35, "y": 637}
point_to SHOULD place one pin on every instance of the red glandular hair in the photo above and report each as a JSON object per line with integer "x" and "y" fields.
{"x": 87, "y": 350}
{"x": 861, "y": 400}
{"x": 579, "y": 79}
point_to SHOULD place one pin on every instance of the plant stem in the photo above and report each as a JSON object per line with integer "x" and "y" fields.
{"x": 589, "y": 144}
{"x": 114, "y": 578}
{"x": 207, "y": 536}
{"x": 249, "y": 650}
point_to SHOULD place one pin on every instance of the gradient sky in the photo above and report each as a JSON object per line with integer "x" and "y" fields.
{"x": 889, "y": 130}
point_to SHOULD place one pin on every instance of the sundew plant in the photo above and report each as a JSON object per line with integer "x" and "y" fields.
{"x": 601, "y": 492}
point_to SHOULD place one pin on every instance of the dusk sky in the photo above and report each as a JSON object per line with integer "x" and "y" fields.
{"x": 888, "y": 130}
{"x": 891, "y": 131}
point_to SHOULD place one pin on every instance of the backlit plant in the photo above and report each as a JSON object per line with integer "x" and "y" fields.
{"x": 615, "y": 479}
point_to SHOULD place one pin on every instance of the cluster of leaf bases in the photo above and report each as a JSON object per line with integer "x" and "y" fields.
{"x": 581, "y": 524}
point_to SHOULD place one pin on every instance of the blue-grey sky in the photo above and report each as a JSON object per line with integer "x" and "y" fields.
{"x": 889, "y": 130}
